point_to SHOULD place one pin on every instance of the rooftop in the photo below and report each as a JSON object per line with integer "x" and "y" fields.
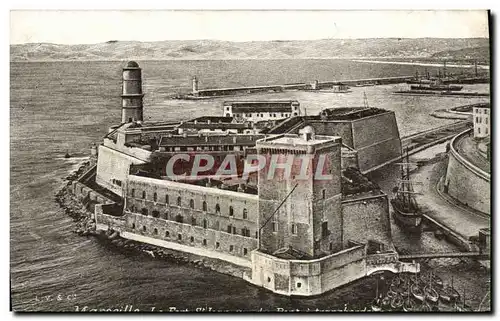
{"x": 350, "y": 113}
{"x": 209, "y": 140}
{"x": 297, "y": 140}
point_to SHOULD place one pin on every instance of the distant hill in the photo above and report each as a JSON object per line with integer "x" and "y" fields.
{"x": 481, "y": 54}
{"x": 211, "y": 49}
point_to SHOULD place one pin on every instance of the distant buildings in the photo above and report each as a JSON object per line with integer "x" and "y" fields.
{"x": 481, "y": 119}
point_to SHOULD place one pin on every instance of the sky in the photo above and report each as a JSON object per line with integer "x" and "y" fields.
{"x": 85, "y": 27}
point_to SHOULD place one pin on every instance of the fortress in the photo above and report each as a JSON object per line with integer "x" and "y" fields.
{"x": 293, "y": 235}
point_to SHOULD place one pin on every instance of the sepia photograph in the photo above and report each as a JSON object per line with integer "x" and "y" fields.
{"x": 215, "y": 161}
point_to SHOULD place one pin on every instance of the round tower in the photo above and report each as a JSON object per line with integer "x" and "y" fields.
{"x": 132, "y": 93}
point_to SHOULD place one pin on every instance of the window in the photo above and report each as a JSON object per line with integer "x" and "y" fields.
{"x": 331, "y": 246}
{"x": 323, "y": 194}
{"x": 479, "y": 130}
{"x": 144, "y": 228}
{"x": 166, "y": 215}
{"x": 299, "y": 284}
{"x": 231, "y": 248}
{"x": 217, "y": 208}
{"x": 144, "y": 211}
{"x": 167, "y": 234}
{"x": 191, "y": 239}
{"x": 179, "y": 218}
{"x": 143, "y": 195}
{"x": 166, "y": 199}
{"x": 217, "y": 245}
{"x": 193, "y": 221}
{"x": 486, "y": 131}
{"x": 179, "y": 237}
{"x": 133, "y": 226}
{"x": 204, "y": 242}
{"x": 245, "y": 251}
{"x": 155, "y": 197}
{"x": 155, "y": 213}
{"x": 294, "y": 229}
{"x": 234, "y": 229}
{"x": 132, "y": 193}
{"x": 274, "y": 226}
{"x": 268, "y": 279}
{"x": 229, "y": 228}
{"x": 204, "y": 206}
{"x": 155, "y": 231}
{"x": 324, "y": 229}
{"x": 231, "y": 211}
{"x": 486, "y": 121}
{"x": 179, "y": 201}
{"x": 191, "y": 203}
{"x": 205, "y": 224}
{"x": 245, "y": 213}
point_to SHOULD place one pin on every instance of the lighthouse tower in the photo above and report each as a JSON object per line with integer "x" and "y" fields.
{"x": 132, "y": 93}
{"x": 195, "y": 85}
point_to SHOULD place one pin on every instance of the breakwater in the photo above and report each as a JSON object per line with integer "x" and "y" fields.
{"x": 201, "y": 94}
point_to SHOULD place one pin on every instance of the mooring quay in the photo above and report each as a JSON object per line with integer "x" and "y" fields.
{"x": 197, "y": 93}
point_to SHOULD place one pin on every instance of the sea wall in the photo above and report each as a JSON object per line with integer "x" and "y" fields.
{"x": 466, "y": 182}
{"x": 369, "y": 214}
{"x": 113, "y": 168}
{"x": 307, "y": 277}
{"x": 376, "y": 139}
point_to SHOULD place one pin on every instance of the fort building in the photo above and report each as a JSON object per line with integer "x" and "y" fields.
{"x": 294, "y": 230}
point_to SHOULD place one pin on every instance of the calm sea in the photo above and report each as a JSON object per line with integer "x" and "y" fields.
{"x": 59, "y": 107}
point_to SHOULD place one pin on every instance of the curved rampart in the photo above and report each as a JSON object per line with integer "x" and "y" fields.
{"x": 465, "y": 181}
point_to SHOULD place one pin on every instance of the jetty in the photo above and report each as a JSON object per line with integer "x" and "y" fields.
{"x": 440, "y": 93}
{"x": 200, "y": 94}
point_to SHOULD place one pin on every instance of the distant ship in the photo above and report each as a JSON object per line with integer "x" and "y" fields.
{"x": 435, "y": 86}
{"x": 406, "y": 209}
{"x": 339, "y": 89}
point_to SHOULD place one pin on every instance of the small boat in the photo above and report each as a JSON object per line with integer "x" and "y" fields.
{"x": 391, "y": 293}
{"x": 431, "y": 294}
{"x": 397, "y": 302}
{"x": 417, "y": 292}
{"x": 436, "y": 281}
{"x": 425, "y": 307}
{"x": 448, "y": 294}
{"x": 408, "y": 305}
{"x": 376, "y": 305}
{"x": 67, "y": 155}
{"x": 386, "y": 302}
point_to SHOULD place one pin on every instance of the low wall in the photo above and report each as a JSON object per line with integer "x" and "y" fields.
{"x": 307, "y": 277}
{"x": 81, "y": 191}
{"x": 465, "y": 182}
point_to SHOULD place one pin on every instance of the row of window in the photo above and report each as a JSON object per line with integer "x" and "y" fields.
{"x": 180, "y": 219}
{"x": 204, "y": 206}
{"x": 262, "y": 115}
{"x": 479, "y": 130}
{"x": 479, "y": 120}
{"x": 191, "y": 238}
{"x": 478, "y": 111}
